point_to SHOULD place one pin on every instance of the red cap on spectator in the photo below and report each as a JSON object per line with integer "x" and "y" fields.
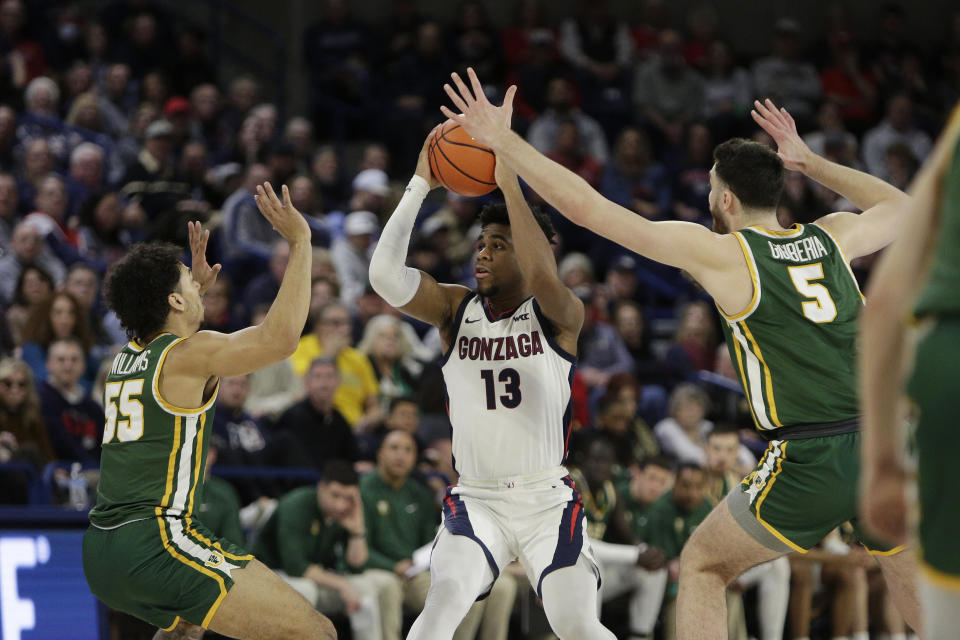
{"x": 176, "y": 105}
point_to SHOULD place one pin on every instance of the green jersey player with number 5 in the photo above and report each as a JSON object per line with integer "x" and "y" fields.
{"x": 790, "y": 305}
{"x": 145, "y": 552}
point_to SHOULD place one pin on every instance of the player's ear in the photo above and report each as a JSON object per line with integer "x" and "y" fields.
{"x": 176, "y": 301}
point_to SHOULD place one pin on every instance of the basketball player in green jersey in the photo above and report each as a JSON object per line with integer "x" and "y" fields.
{"x": 920, "y": 276}
{"x": 789, "y": 302}
{"x": 145, "y": 553}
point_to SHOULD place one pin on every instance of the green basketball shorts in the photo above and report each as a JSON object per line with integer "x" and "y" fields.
{"x": 800, "y": 491}
{"x": 934, "y": 387}
{"x": 161, "y": 570}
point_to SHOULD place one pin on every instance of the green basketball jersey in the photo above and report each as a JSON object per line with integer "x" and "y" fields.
{"x": 153, "y": 454}
{"x": 794, "y": 347}
{"x": 942, "y": 292}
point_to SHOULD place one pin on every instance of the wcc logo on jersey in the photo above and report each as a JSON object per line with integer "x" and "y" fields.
{"x": 522, "y": 345}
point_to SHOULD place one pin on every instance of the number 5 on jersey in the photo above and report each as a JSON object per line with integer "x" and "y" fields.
{"x": 822, "y": 308}
{"x": 119, "y": 401}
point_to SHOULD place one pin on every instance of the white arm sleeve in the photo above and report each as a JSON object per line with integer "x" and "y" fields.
{"x": 390, "y": 277}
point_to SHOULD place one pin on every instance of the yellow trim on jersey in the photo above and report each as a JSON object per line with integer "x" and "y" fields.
{"x": 754, "y": 278}
{"x": 133, "y": 346}
{"x": 171, "y": 466}
{"x": 743, "y": 380}
{"x": 194, "y": 565}
{"x": 796, "y": 230}
{"x": 891, "y": 552}
{"x": 766, "y": 372}
{"x": 171, "y": 408}
{"x": 773, "y": 478}
{"x": 843, "y": 255}
{"x": 199, "y": 463}
{"x": 176, "y": 621}
{"x": 188, "y": 528}
{"x": 939, "y": 578}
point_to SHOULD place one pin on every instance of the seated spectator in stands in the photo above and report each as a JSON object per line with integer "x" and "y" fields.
{"x": 218, "y": 507}
{"x": 727, "y": 90}
{"x": 323, "y": 291}
{"x": 50, "y": 217}
{"x": 205, "y": 107}
{"x": 102, "y": 234}
{"x": 529, "y": 25}
{"x": 119, "y": 99}
{"x": 665, "y": 88}
{"x": 785, "y": 77}
{"x": 458, "y": 216}
{"x": 61, "y": 317}
{"x": 303, "y": 195}
{"x": 648, "y": 480}
{"x": 900, "y": 165}
{"x": 38, "y": 162}
{"x": 630, "y": 324}
{"x": 532, "y": 76}
{"x": 691, "y": 177}
{"x": 130, "y": 142}
{"x": 240, "y": 437}
{"x": 327, "y": 172}
{"x": 263, "y": 288}
{"x": 616, "y": 419}
{"x": 8, "y": 137}
{"x": 275, "y": 388}
{"x": 84, "y": 283}
{"x": 86, "y": 175}
{"x": 634, "y": 179}
{"x": 569, "y": 151}
{"x": 724, "y": 462}
{"x": 370, "y": 190}
{"x": 848, "y": 83}
{"x": 602, "y": 352}
{"x": 647, "y": 405}
{"x": 544, "y": 130}
{"x": 9, "y": 199}
{"x": 34, "y": 289}
{"x": 315, "y": 541}
{"x": 832, "y": 140}
{"x": 27, "y": 249}
{"x": 598, "y": 46}
{"x": 351, "y": 254}
{"x": 684, "y": 433}
{"x": 191, "y": 66}
{"x": 801, "y": 200}
{"x": 74, "y": 421}
{"x": 193, "y": 170}
{"x": 23, "y": 435}
{"x": 218, "y": 309}
{"x": 473, "y": 42}
{"x": 387, "y": 346}
{"x": 694, "y": 343}
{"x": 626, "y": 565}
{"x": 897, "y": 126}
{"x": 298, "y": 133}
{"x": 357, "y": 397}
{"x": 402, "y": 414}
{"x": 313, "y": 431}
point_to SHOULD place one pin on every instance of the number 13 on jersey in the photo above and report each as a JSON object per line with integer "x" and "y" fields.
{"x": 511, "y": 397}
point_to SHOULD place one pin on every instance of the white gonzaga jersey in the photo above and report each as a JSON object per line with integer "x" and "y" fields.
{"x": 508, "y": 391}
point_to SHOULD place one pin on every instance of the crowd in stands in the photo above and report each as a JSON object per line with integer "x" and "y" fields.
{"x": 116, "y": 128}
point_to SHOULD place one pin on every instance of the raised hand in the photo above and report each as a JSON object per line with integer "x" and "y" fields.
{"x": 482, "y": 120}
{"x": 287, "y": 221}
{"x": 202, "y": 273}
{"x": 780, "y": 125}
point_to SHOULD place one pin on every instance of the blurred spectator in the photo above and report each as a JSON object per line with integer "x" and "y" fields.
{"x": 74, "y": 421}
{"x": 272, "y": 389}
{"x": 8, "y": 137}
{"x": 473, "y": 43}
{"x": 665, "y": 88}
{"x": 145, "y": 51}
{"x": 848, "y": 84}
{"x": 357, "y": 395}
{"x": 691, "y": 177}
{"x": 332, "y": 186}
{"x": 602, "y": 353}
{"x": 351, "y": 254}
{"x": 900, "y": 165}
{"x": 694, "y": 343}
{"x": 399, "y": 31}
{"x": 727, "y": 90}
{"x": 218, "y": 308}
{"x": 241, "y": 96}
{"x": 576, "y": 272}
{"x": 598, "y": 46}
{"x": 27, "y": 250}
{"x": 370, "y": 190}
{"x": 544, "y": 130}
{"x": 23, "y": 435}
{"x": 298, "y": 133}
{"x": 264, "y": 287}
{"x": 724, "y": 470}
{"x": 247, "y": 236}
{"x": 630, "y": 324}
{"x": 391, "y": 355}
{"x": 190, "y": 66}
{"x": 102, "y": 236}
{"x": 34, "y": 289}
{"x": 312, "y": 431}
{"x": 649, "y": 479}
{"x": 38, "y": 162}
{"x": 61, "y": 317}
{"x": 617, "y": 421}
{"x": 799, "y": 202}
{"x": 203, "y": 196}
{"x": 315, "y": 541}
{"x": 896, "y": 127}
{"x": 529, "y": 31}
{"x": 130, "y": 143}
{"x": 336, "y": 54}
{"x": 832, "y": 140}
{"x": 205, "y": 125}
{"x": 83, "y": 282}
{"x": 634, "y": 179}
{"x": 569, "y": 151}
{"x": 50, "y": 216}
{"x": 26, "y": 55}
{"x": 8, "y": 208}
{"x": 218, "y": 507}
{"x": 86, "y": 175}
{"x": 459, "y": 217}
{"x": 785, "y": 78}
{"x": 647, "y": 405}
{"x": 239, "y": 437}
{"x": 118, "y": 96}
{"x": 702, "y": 24}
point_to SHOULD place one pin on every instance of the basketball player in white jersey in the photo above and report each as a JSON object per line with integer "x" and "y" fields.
{"x": 509, "y": 362}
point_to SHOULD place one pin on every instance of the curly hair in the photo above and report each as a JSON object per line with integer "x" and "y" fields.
{"x": 39, "y": 327}
{"x": 136, "y": 288}
{"x": 497, "y": 214}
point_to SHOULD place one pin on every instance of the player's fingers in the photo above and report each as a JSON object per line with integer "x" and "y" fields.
{"x": 286, "y": 197}
{"x": 456, "y": 117}
{"x": 508, "y": 97}
{"x": 455, "y": 98}
{"x": 272, "y": 195}
{"x": 462, "y": 88}
{"x": 788, "y": 118}
{"x": 475, "y": 83}
{"x": 263, "y": 203}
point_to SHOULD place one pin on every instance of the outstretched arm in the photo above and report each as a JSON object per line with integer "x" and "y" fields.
{"x": 884, "y": 354}
{"x": 882, "y": 204}
{"x": 536, "y": 260}
{"x": 412, "y": 291}
{"x": 706, "y": 255}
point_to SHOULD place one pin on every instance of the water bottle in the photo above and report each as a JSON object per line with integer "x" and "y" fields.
{"x": 78, "y": 488}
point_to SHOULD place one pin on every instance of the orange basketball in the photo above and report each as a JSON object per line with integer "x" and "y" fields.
{"x": 460, "y": 163}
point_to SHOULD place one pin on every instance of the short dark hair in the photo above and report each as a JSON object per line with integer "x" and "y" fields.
{"x": 136, "y": 288}
{"x": 341, "y": 472}
{"x": 689, "y": 466}
{"x": 659, "y": 461}
{"x": 751, "y": 170}
{"x": 75, "y": 341}
{"x": 497, "y": 214}
{"x": 324, "y": 361}
{"x": 723, "y": 429}
{"x": 395, "y": 402}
